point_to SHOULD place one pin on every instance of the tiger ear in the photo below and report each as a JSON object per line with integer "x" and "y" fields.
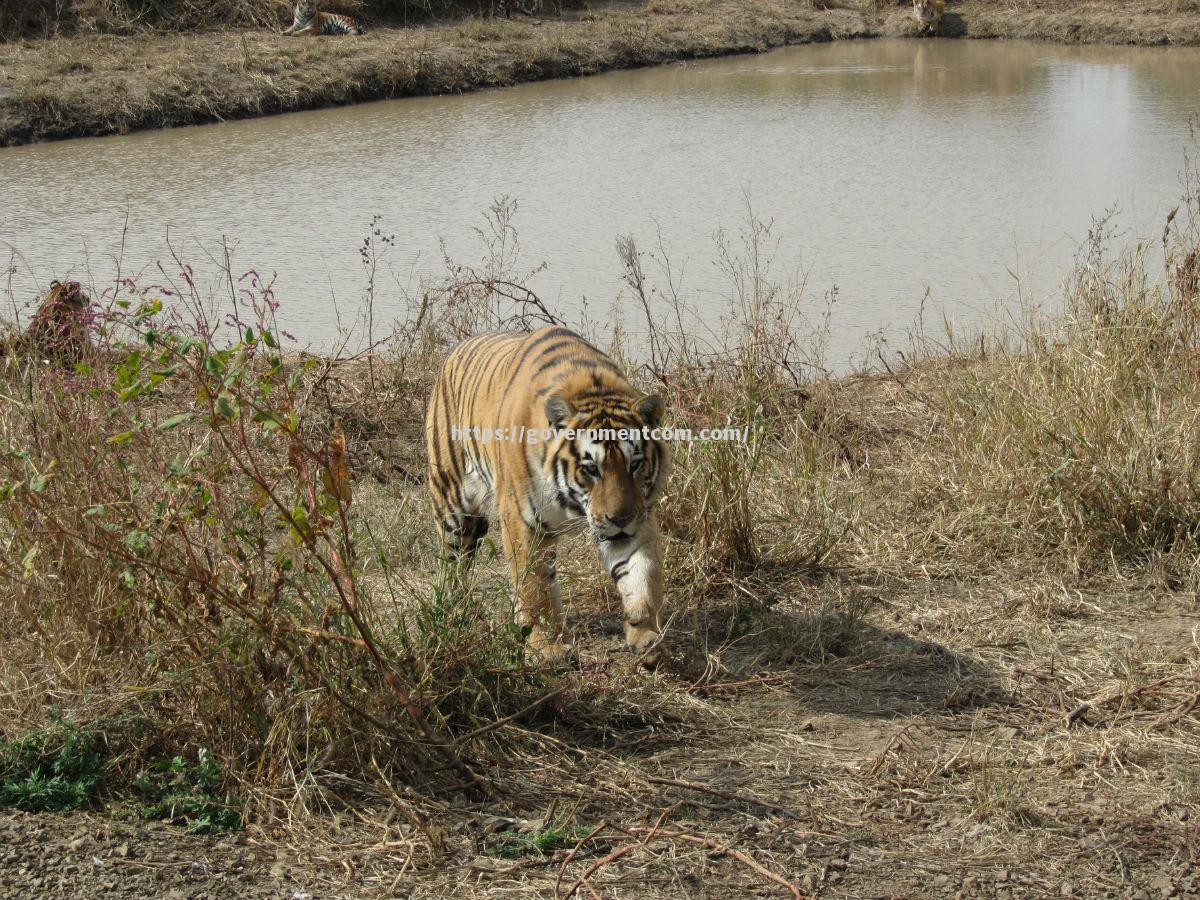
{"x": 650, "y": 409}
{"x": 558, "y": 411}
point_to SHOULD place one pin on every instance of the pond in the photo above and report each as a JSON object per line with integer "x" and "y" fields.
{"x": 908, "y": 174}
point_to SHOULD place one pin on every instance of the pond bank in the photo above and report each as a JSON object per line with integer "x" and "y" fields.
{"x": 90, "y": 85}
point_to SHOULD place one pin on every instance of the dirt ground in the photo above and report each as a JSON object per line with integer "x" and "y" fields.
{"x": 106, "y": 84}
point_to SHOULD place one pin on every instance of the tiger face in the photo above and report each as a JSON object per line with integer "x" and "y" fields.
{"x": 605, "y": 464}
{"x": 305, "y": 10}
{"x": 929, "y": 12}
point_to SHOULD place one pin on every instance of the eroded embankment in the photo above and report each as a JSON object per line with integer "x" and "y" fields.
{"x": 107, "y": 84}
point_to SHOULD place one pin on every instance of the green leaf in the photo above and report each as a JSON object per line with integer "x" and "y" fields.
{"x": 269, "y": 339}
{"x": 175, "y": 421}
{"x": 299, "y": 523}
{"x": 137, "y": 540}
{"x": 121, "y": 438}
{"x": 146, "y": 310}
{"x": 28, "y": 560}
{"x": 270, "y": 420}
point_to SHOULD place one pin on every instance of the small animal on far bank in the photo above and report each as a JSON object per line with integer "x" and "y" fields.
{"x": 928, "y": 14}
{"x": 308, "y": 21}
{"x": 61, "y": 328}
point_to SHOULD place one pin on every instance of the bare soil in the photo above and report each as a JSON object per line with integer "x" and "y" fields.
{"x": 111, "y": 84}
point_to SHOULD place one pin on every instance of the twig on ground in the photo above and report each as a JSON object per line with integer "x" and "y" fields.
{"x": 596, "y": 866}
{"x": 729, "y": 851}
{"x": 726, "y": 795}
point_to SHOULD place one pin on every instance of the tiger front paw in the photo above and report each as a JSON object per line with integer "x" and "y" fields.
{"x": 644, "y": 640}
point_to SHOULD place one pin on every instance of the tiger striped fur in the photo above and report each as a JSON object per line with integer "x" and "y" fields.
{"x": 929, "y": 13}
{"x": 308, "y": 21}
{"x": 550, "y": 380}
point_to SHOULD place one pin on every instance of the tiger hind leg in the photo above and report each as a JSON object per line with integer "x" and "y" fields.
{"x": 462, "y": 532}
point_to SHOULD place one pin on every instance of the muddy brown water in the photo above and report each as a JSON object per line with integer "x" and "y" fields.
{"x": 919, "y": 174}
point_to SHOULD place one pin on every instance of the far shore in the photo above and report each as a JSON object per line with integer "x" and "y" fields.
{"x": 97, "y": 84}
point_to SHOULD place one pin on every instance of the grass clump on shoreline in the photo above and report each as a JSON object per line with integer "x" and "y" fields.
{"x": 1072, "y": 438}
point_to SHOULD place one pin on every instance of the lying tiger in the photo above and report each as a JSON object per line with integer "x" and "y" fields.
{"x": 308, "y": 21}
{"x": 929, "y": 13}
{"x": 598, "y": 465}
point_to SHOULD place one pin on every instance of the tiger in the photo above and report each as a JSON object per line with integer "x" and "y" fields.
{"x": 61, "y": 327}
{"x": 308, "y": 21}
{"x": 929, "y": 13}
{"x": 543, "y": 430}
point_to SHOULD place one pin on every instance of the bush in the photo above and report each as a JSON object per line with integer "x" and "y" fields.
{"x": 178, "y": 509}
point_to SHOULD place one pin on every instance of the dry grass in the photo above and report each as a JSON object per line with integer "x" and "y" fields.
{"x": 931, "y": 627}
{"x": 54, "y": 18}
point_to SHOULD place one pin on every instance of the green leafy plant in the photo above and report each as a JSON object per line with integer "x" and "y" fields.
{"x": 55, "y": 769}
{"x": 539, "y": 841}
{"x": 187, "y": 793}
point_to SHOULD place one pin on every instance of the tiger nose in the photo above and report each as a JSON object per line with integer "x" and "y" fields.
{"x": 622, "y": 519}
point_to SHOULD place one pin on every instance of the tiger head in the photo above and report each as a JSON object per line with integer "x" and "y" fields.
{"x": 603, "y": 461}
{"x": 69, "y": 294}
{"x": 306, "y": 9}
{"x": 927, "y": 11}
